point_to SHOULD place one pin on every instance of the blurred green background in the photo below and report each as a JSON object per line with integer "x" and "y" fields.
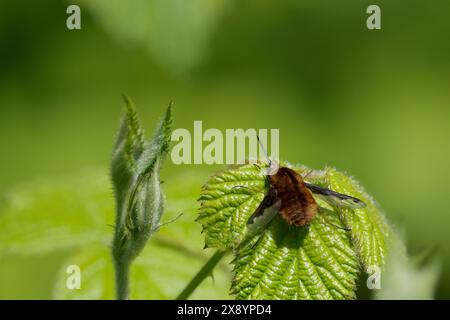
{"x": 372, "y": 103}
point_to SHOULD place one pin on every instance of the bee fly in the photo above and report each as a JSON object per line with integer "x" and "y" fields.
{"x": 294, "y": 198}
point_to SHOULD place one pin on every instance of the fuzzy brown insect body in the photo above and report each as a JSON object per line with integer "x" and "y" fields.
{"x": 294, "y": 198}
{"x": 298, "y": 206}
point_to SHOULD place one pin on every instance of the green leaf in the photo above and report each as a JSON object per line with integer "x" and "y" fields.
{"x": 75, "y": 213}
{"x": 369, "y": 229}
{"x": 160, "y": 272}
{"x": 176, "y": 32}
{"x": 227, "y": 201}
{"x": 57, "y": 214}
{"x": 321, "y": 261}
{"x": 297, "y": 263}
{"x": 65, "y": 213}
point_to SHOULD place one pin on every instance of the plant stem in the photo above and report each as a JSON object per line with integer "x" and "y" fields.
{"x": 204, "y": 272}
{"x": 122, "y": 280}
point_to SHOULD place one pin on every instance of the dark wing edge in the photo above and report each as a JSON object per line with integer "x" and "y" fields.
{"x": 335, "y": 198}
{"x": 268, "y": 201}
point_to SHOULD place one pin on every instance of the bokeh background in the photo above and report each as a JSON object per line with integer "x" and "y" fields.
{"x": 372, "y": 103}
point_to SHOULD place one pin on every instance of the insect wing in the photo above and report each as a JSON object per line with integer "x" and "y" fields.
{"x": 336, "y": 199}
{"x": 260, "y": 222}
{"x": 268, "y": 201}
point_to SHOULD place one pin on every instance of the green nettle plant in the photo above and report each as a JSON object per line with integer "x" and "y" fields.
{"x": 271, "y": 260}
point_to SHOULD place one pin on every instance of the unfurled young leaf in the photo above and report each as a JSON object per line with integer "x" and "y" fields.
{"x": 228, "y": 200}
{"x": 297, "y": 263}
{"x": 135, "y": 174}
{"x": 369, "y": 230}
{"x": 273, "y": 260}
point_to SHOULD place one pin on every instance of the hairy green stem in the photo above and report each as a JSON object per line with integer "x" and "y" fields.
{"x": 204, "y": 272}
{"x": 122, "y": 280}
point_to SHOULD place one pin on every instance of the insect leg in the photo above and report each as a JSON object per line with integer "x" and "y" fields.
{"x": 307, "y": 174}
{"x": 330, "y": 223}
{"x": 342, "y": 228}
